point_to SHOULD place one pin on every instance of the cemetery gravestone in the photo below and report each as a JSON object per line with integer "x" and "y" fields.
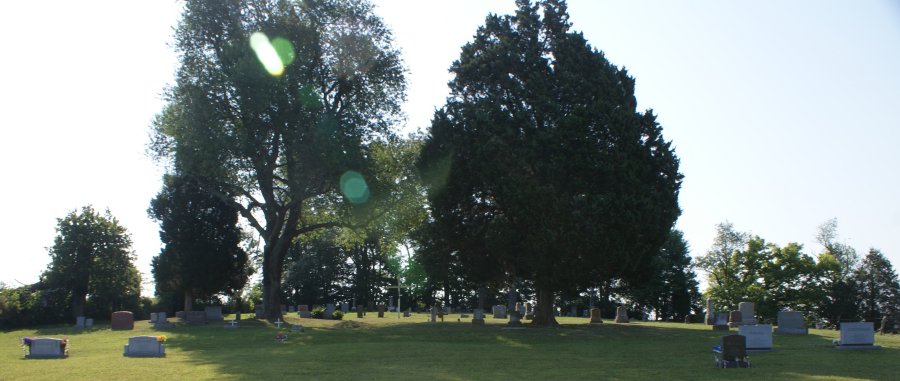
{"x": 153, "y": 317}
{"x": 734, "y": 319}
{"x": 381, "y": 310}
{"x": 759, "y": 337}
{"x": 79, "y": 322}
{"x": 371, "y": 307}
{"x": 360, "y": 311}
{"x": 595, "y": 316}
{"x": 621, "y": 314}
{"x": 46, "y": 348}
{"x": 213, "y": 313}
{"x": 747, "y": 313}
{"x": 791, "y": 322}
{"x": 710, "y": 314}
{"x": 514, "y": 318}
{"x": 145, "y": 346}
{"x": 720, "y": 323}
{"x": 499, "y": 312}
{"x": 123, "y": 320}
{"x": 858, "y": 335}
{"x": 88, "y": 323}
{"x": 304, "y": 311}
{"x": 329, "y": 310}
{"x": 433, "y": 318}
{"x": 196, "y": 317}
{"x": 478, "y": 316}
{"x": 529, "y": 311}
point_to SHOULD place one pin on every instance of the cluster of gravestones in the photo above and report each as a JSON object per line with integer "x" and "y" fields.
{"x": 758, "y": 337}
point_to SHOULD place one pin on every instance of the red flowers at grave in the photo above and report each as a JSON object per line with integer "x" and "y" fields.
{"x": 280, "y": 337}
{"x": 161, "y": 338}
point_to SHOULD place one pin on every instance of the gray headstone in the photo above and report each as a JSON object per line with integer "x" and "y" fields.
{"x": 595, "y": 315}
{"x": 791, "y": 322}
{"x": 434, "y": 310}
{"x": 213, "y": 313}
{"x": 303, "y": 311}
{"x": 79, "y": 322}
{"x": 735, "y": 319}
{"x": 859, "y": 335}
{"x": 748, "y": 314}
{"x": 499, "y": 312}
{"x": 329, "y": 310}
{"x": 621, "y": 314}
{"x": 514, "y": 318}
{"x": 345, "y": 307}
{"x": 721, "y": 318}
{"x": 153, "y": 317}
{"x": 46, "y": 348}
{"x": 195, "y": 317}
{"x": 710, "y": 314}
{"x": 88, "y": 323}
{"x": 145, "y": 346}
{"x": 759, "y": 337}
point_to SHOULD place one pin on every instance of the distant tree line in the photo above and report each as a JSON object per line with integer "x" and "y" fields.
{"x": 832, "y": 287}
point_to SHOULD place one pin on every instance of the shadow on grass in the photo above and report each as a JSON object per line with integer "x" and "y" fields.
{"x": 461, "y": 351}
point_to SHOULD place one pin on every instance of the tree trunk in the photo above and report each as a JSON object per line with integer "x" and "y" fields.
{"x": 78, "y": 304}
{"x": 543, "y": 313}
{"x": 188, "y": 301}
{"x": 273, "y": 263}
{"x": 482, "y": 297}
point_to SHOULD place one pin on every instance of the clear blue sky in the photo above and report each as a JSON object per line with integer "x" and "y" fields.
{"x": 784, "y": 114}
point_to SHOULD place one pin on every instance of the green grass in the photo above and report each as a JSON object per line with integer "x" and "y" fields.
{"x": 412, "y": 349}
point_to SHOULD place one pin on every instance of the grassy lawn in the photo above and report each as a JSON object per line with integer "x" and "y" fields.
{"x": 412, "y": 349}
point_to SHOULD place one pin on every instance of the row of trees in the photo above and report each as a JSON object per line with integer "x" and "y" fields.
{"x": 539, "y": 172}
{"x": 834, "y": 286}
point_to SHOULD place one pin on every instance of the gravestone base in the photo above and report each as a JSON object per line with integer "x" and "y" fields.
{"x": 856, "y": 347}
{"x": 720, "y": 327}
{"x": 477, "y": 321}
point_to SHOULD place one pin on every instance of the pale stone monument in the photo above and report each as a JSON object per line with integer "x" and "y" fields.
{"x": 145, "y": 346}
{"x": 791, "y": 322}
{"x": 759, "y": 337}
{"x": 621, "y": 314}
{"x": 595, "y": 316}
{"x": 860, "y": 335}
{"x": 748, "y": 314}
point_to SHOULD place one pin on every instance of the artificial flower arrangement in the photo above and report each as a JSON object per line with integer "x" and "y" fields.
{"x": 161, "y": 338}
{"x": 281, "y": 336}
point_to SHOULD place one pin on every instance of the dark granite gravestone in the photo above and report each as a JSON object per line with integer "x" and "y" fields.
{"x": 122, "y": 320}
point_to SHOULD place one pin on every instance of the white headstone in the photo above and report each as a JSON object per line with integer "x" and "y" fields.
{"x": 859, "y": 335}
{"x": 45, "y": 348}
{"x": 144, "y": 346}
{"x": 759, "y": 337}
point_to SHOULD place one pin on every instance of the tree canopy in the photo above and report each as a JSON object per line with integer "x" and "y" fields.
{"x": 201, "y": 254}
{"x": 91, "y": 255}
{"x": 276, "y": 102}
{"x": 540, "y": 161}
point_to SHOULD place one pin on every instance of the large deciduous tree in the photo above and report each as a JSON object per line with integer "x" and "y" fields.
{"x": 879, "y": 289}
{"x": 275, "y": 101}
{"x": 91, "y": 255}
{"x": 201, "y": 255}
{"x": 541, "y": 160}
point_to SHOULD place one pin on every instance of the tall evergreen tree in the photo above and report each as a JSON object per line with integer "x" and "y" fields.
{"x": 541, "y": 155}
{"x": 276, "y": 102}
{"x": 201, "y": 254}
{"x": 879, "y": 289}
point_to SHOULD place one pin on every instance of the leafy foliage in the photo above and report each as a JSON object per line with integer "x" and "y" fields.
{"x": 201, "y": 256}
{"x": 91, "y": 255}
{"x": 278, "y": 142}
{"x": 539, "y": 166}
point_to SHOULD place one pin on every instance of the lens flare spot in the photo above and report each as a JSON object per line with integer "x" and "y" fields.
{"x": 354, "y": 187}
{"x": 266, "y": 53}
{"x": 285, "y": 50}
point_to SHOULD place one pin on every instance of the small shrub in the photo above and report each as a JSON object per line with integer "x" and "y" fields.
{"x": 337, "y": 315}
{"x": 318, "y": 312}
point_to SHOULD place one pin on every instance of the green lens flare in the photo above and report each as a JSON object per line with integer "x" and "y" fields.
{"x": 284, "y": 49}
{"x": 267, "y": 53}
{"x": 354, "y": 187}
